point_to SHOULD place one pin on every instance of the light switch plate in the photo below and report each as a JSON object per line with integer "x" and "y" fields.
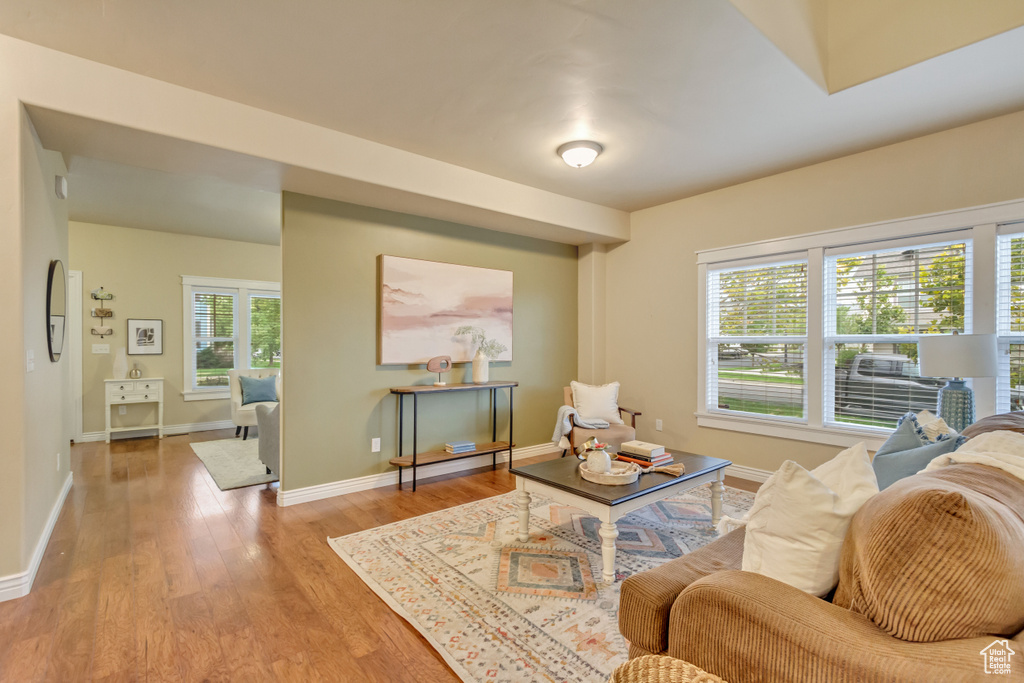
{"x": 657, "y": 425}
{"x": 375, "y": 445}
{"x": 101, "y": 348}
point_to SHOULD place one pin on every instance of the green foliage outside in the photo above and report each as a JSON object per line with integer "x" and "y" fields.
{"x": 265, "y": 332}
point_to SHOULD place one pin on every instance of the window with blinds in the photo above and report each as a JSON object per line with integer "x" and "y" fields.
{"x": 1010, "y": 317}
{"x": 878, "y": 301}
{"x": 757, "y": 335}
{"x": 215, "y": 337}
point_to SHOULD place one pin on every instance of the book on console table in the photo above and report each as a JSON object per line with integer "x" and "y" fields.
{"x": 642, "y": 449}
{"x": 457, "y": 447}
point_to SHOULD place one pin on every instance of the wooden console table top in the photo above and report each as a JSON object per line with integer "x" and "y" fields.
{"x": 430, "y": 388}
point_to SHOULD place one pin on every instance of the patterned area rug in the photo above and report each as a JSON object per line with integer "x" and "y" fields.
{"x": 233, "y": 463}
{"x": 500, "y": 610}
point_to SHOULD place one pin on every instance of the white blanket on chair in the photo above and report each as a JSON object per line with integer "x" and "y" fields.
{"x": 563, "y": 426}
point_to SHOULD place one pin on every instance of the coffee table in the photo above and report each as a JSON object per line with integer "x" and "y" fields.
{"x": 560, "y": 480}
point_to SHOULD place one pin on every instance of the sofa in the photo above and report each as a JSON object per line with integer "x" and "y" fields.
{"x": 931, "y": 575}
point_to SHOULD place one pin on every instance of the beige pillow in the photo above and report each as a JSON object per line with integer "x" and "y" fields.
{"x": 796, "y": 526}
{"x": 600, "y": 402}
{"x": 939, "y": 555}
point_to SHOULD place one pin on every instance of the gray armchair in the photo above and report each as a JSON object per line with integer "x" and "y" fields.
{"x": 268, "y": 421}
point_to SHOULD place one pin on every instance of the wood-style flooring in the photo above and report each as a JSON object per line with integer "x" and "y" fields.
{"x": 152, "y": 573}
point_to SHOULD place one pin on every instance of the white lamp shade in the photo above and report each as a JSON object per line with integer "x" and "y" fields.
{"x": 579, "y": 153}
{"x": 958, "y": 355}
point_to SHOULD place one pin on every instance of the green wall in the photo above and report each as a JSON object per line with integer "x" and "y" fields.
{"x": 336, "y": 397}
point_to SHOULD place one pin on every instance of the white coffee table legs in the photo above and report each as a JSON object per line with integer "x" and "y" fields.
{"x": 523, "y": 502}
{"x": 609, "y": 532}
{"x": 717, "y": 487}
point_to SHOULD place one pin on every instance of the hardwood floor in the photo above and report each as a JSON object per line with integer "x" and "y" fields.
{"x": 152, "y": 573}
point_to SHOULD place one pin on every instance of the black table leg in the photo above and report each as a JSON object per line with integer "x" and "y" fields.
{"x": 415, "y": 422}
{"x": 510, "y": 428}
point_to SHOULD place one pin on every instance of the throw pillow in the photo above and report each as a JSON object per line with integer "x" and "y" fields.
{"x": 934, "y": 426}
{"x": 939, "y": 556}
{"x": 908, "y": 450}
{"x": 257, "y": 390}
{"x": 600, "y": 402}
{"x": 796, "y": 526}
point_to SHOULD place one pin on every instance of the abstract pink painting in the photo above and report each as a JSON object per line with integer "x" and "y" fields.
{"x": 423, "y": 303}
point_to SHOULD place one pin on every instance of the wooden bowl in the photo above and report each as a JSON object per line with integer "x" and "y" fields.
{"x": 622, "y": 473}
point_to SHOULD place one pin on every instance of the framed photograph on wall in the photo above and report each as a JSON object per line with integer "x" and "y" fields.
{"x": 430, "y": 309}
{"x": 145, "y": 337}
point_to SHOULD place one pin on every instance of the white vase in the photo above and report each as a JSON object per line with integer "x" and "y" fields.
{"x": 481, "y": 368}
{"x": 599, "y": 462}
{"x": 121, "y": 364}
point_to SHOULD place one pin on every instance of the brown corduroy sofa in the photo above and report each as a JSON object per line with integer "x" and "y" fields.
{"x": 932, "y": 573}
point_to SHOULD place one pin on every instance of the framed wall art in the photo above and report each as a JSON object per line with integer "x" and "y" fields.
{"x": 145, "y": 337}
{"x": 432, "y": 309}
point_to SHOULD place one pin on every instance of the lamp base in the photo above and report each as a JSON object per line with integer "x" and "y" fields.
{"x": 956, "y": 404}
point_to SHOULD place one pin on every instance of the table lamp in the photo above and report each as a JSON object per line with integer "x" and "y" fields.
{"x": 957, "y": 356}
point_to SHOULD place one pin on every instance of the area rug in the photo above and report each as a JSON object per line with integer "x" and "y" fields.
{"x": 500, "y": 610}
{"x": 233, "y": 463}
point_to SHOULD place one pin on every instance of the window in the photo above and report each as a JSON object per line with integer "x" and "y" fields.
{"x": 877, "y": 302}
{"x": 1010, "y": 318}
{"x": 229, "y": 324}
{"x": 757, "y": 330}
{"x": 846, "y": 369}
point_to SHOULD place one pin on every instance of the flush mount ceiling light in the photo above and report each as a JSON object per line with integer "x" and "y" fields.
{"x": 579, "y": 153}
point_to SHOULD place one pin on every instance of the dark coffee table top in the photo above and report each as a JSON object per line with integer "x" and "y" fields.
{"x": 563, "y": 473}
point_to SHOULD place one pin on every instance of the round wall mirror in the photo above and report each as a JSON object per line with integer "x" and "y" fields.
{"x": 56, "y": 308}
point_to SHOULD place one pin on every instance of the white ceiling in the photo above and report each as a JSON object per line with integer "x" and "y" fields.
{"x": 686, "y": 96}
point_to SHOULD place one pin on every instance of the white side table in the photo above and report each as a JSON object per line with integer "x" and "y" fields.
{"x": 124, "y": 391}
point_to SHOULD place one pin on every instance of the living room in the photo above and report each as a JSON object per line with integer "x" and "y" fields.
{"x": 587, "y": 277}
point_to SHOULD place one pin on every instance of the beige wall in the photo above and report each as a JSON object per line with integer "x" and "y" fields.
{"x": 336, "y": 397}
{"x": 46, "y": 387}
{"x": 143, "y": 269}
{"x": 651, "y": 280}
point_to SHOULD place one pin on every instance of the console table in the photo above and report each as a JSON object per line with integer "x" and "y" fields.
{"x": 123, "y": 391}
{"x": 417, "y": 459}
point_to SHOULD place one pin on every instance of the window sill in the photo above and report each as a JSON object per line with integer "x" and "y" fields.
{"x": 831, "y": 436}
{"x": 207, "y": 395}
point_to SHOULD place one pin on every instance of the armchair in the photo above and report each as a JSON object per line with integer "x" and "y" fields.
{"x": 245, "y": 416}
{"x": 614, "y": 434}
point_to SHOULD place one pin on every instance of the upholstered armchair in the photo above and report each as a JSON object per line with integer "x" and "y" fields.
{"x": 614, "y": 434}
{"x": 245, "y": 416}
{"x": 268, "y": 421}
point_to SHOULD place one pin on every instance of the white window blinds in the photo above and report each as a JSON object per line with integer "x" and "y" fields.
{"x": 757, "y": 334}
{"x": 215, "y": 337}
{"x": 1010, "y": 317}
{"x": 878, "y": 300}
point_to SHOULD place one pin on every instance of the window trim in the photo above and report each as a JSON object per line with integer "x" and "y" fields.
{"x": 242, "y": 289}
{"x": 979, "y": 223}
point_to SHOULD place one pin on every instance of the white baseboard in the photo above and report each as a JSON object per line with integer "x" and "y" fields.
{"x": 18, "y": 585}
{"x": 169, "y": 430}
{"x": 748, "y": 473}
{"x": 337, "y": 488}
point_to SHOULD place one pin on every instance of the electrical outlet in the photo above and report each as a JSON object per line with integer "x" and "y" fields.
{"x": 657, "y": 425}
{"x": 122, "y": 410}
{"x": 375, "y": 445}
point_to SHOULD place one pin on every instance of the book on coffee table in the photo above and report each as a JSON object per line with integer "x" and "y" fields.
{"x": 642, "y": 449}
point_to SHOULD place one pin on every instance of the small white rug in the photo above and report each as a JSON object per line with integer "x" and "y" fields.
{"x": 233, "y": 463}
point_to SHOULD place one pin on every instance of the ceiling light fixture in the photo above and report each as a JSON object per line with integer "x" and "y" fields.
{"x": 579, "y": 153}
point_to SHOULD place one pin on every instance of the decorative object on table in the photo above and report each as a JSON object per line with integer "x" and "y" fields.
{"x": 440, "y": 364}
{"x": 100, "y": 294}
{"x": 460, "y": 577}
{"x": 459, "y": 447}
{"x": 420, "y": 301}
{"x": 598, "y": 460}
{"x": 617, "y": 474}
{"x": 486, "y": 351}
{"x": 642, "y": 449}
{"x": 958, "y": 356}
{"x": 120, "y": 365}
{"x": 676, "y": 470}
{"x": 135, "y": 372}
{"x": 56, "y": 308}
{"x": 145, "y": 337}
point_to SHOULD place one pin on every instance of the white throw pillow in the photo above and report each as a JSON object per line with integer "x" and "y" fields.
{"x": 796, "y": 526}
{"x": 934, "y": 426}
{"x": 601, "y": 402}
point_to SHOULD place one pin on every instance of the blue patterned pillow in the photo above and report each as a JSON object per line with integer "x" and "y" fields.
{"x": 908, "y": 450}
